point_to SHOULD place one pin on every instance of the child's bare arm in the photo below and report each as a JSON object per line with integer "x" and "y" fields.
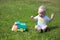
{"x": 52, "y": 16}
{"x": 32, "y": 17}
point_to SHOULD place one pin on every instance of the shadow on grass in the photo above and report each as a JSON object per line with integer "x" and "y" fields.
{"x": 52, "y": 28}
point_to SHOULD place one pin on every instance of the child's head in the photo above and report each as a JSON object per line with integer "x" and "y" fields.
{"x": 42, "y": 11}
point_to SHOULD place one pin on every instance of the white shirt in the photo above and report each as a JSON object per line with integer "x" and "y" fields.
{"x": 42, "y": 21}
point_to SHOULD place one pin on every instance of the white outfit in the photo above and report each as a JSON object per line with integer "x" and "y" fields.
{"x": 42, "y": 22}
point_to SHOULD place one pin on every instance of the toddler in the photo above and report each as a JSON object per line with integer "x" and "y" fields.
{"x": 42, "y": 19}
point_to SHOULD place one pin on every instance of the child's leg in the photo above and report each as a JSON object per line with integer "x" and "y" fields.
{"x": 44, "y": 28}
{"x": 37, "y": 28}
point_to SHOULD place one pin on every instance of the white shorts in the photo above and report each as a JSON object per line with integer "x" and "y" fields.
{"x": 43, "y": 27}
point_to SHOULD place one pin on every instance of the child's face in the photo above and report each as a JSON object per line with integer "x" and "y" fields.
{"x": 41, "y": 14}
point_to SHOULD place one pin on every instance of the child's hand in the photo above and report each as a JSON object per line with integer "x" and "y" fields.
{"x": 32, "y": 17}
{"x": 52, "y": 15}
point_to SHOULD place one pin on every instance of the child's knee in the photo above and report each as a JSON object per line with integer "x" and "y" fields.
{"x": 45, "y": 29}
{"x": 36, "y": 26}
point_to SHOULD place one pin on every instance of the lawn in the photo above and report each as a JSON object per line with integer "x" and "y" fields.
{"x": 21, "y": 10}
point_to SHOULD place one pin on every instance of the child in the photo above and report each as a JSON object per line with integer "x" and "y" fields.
{"x": 42, "y": 19}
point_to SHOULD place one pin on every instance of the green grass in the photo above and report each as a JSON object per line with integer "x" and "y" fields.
{"x": 21, "y": 10}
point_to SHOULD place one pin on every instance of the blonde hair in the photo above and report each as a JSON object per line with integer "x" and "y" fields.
{"x": 42, "y": 9}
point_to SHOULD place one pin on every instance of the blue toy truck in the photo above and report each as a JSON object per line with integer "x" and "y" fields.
{"x": 21, "y": 25}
